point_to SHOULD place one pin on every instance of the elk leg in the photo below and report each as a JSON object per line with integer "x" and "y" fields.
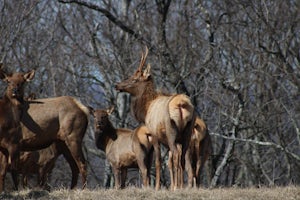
{"x": 3, "y": 170}
{"x": 14, "y": 175}
{"x": 68, "y": 156}
{"x": 156, "y": 147}
{"x": 176, "y": 166}
{"x": 198, "y": 164}
{"x": 173, "y": 165}
{"x": 24, "y": 180}
{"x": 188, "y": 167}
{"x": 141, "y": 161}
{"x": 77, "y": 154}
{"x": 123, "y": 177}
{"x": 42, "y": 177}
{"x": 205, "y": 151}
{"x": 180, "y": 167}
{"x": 2, "y": 178}
{"x": 186, "y": 141}
{"x": 170, "y": 166}
{"x": 117, "y": 175}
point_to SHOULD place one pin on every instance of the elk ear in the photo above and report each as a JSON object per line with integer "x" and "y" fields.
{"x": 147, "y": 73}
{"x": 2, "y": 73}
{"x": 29, "y": 76}
{"x": 110, "y": 110}
{"x": 92, "y": 110}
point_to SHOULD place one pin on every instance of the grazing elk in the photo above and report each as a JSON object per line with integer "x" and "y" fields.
{"x": 124, "y": 148}
{"x": 169, "y": 118}
{"x": 11, "y": 106}
{"x": 198, "y": 152}
{"x": 60, "y": 120}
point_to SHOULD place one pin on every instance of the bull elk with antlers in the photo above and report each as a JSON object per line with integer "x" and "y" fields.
{"x": 124, "y": 148}
{"x": 169, "y": 118}
{"x": 11, "y": 107}
{"x": 198, "y": 152}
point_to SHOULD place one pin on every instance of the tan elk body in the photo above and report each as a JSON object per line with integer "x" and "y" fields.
{"x": 62, "y": 120}
{"x": 11, "y": 106}
{"x": 124, "y": 148}
{"x": 169, "y": 118}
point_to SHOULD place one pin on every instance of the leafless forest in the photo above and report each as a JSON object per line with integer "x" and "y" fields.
{"x": 239, "y": 61}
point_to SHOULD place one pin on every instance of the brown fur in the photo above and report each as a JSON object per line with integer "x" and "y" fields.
{"x": 10, "y": 115}
{"x": 38, "y": 162}
{"x": 198, "y": 152}
{"x": 124, "y": 148}
{"x": 170, "y": 119}
{"x": 35, "y": 162}
{"x": 62, "y": 120}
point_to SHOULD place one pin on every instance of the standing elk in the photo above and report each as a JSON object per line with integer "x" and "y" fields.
{"x": 11, "y": 106}
{"x": 39, "y": 162}
{"x": 61, "y": 120}
{"x": 124, "y": 148}
{"x": 198, "y": 152}
{"x": 169, "y": 118}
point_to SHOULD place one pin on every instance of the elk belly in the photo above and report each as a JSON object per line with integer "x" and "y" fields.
{"x": 128, "y": 159}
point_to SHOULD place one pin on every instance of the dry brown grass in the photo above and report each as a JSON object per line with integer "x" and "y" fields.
{"x": 275, "y": 193}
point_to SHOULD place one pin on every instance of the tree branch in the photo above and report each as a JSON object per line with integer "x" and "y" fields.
{"x": 111, "y": 17}
{"x": 276, "y": 146}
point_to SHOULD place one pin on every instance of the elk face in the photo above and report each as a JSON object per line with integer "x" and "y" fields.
{"x": 101, "y": 119}
{"x": 16, "y": 82}
{"x": 101, "y": 124}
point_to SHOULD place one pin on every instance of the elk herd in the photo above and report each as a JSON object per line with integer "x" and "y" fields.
{"x": 34, "y": 132}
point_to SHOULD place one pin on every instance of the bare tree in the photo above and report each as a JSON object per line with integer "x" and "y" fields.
{"x": 83, "y": 47}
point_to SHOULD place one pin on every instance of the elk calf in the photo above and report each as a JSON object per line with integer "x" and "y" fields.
{"x": 11, "y": 106}
{"x": 34, "y": 162}
{"x": 198, "y": 152}
{"x": 169, "y": 118}
{"x": 39, "y": 162}
{"x": 124, "y": 148}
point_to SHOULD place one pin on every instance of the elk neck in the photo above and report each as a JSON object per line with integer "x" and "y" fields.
{"x": 105, "y": 134}
{"x": 141, "y": 101}
{"x": 15, "y": 106}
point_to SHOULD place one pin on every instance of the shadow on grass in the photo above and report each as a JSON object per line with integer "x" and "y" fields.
{"x": 32, "y": 194}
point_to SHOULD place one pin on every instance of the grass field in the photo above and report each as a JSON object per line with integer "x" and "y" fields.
{"x": 274, "y": 193}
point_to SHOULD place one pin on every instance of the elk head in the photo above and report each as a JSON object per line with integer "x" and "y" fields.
{"x": 16, "y": 82}
{"x": 135, "y": 83}
{"x": 101, "y": 118}
{"x": 102, "y": 125}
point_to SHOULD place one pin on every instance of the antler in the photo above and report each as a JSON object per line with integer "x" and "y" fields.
{"x": 143, "y": 59}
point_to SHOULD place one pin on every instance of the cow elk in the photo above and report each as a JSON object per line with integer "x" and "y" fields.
{"x": 169, "y": 118}
{"x": 124, "y": 148}
{"x": 61, "y": 120}
{"x": 198, "y": 152}
{"x": 11, "y": 106}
